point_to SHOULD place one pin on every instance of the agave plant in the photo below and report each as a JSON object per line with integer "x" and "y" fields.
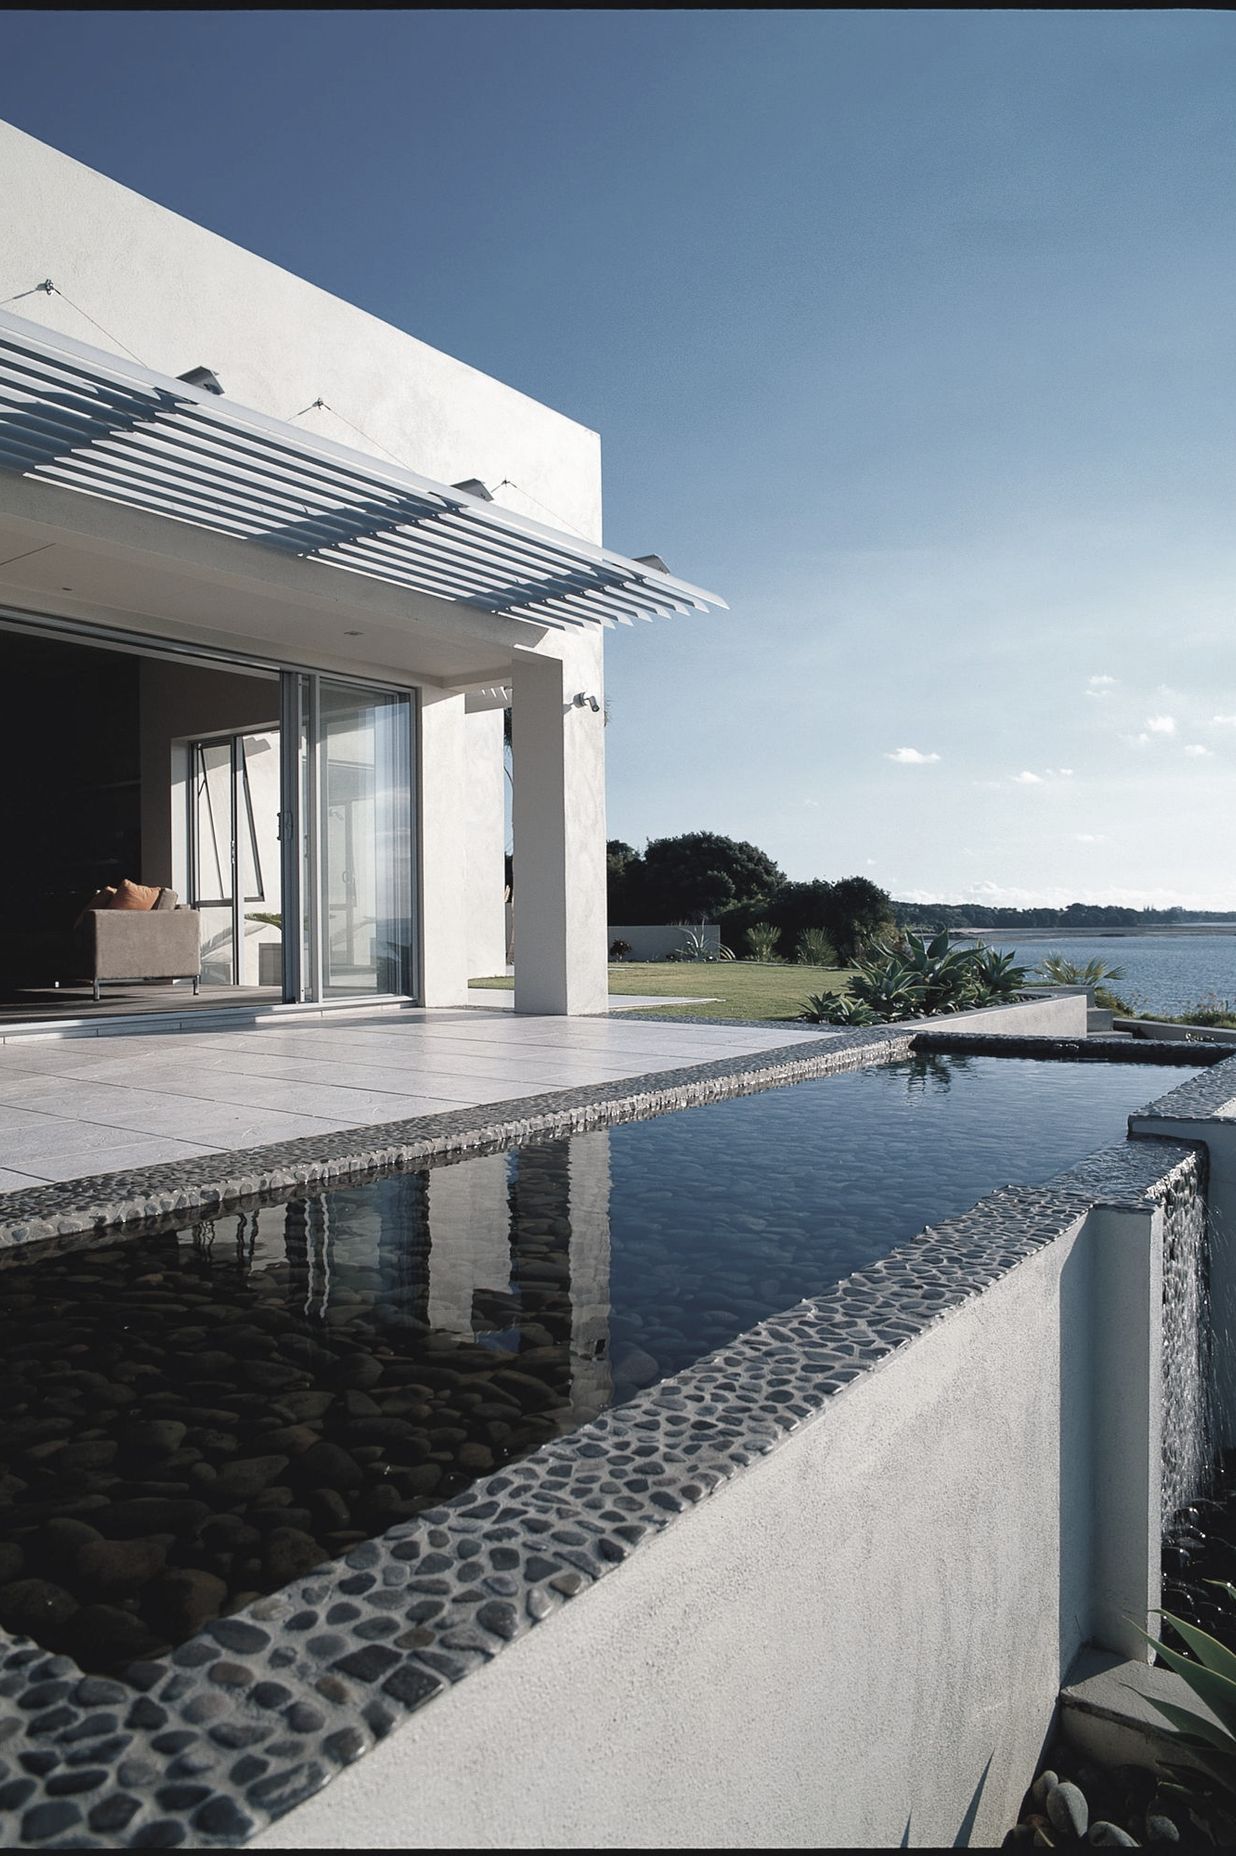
{"x": 1208, "y": 1784}
{"x": 997, "y": 974}
{"x": 891, "y": 987}
{"x": 832, "y": 1008}
{"x": 695, "y": 945}
{"x": 917, "y": 978}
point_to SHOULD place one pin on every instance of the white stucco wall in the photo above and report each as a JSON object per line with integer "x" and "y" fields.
{"x": 177, "y": 296}
{"x": 654, "y": 943}
{"x": 1062, "y": 1015}
{"x": 847, "y": 1644}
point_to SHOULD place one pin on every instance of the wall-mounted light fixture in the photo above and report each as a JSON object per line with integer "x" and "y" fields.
{"x": 584, "y": 701}
{"x": 472, "y": 486}
{"x": 202, "y": 377}
{"x": 654, "y": 561}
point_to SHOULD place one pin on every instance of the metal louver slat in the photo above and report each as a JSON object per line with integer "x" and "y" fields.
{"x": 97, "y": 425}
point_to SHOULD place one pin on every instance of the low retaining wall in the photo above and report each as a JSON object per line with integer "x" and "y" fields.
{"x": 655, "y": 942}
{"x": 936, "y": 1487}
{"x": 1059, "y": 1014}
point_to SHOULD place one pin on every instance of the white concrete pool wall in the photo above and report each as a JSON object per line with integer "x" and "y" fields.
{"x": 858, "y": 1640}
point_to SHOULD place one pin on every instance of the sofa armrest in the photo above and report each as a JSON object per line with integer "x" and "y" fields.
{"x": 143, "y": 944}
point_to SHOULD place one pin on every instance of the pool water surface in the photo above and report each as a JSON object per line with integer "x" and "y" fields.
{"x": 198, "y": 1417}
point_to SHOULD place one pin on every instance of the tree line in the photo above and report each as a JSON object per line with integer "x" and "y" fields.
{"x": 936, "y": 915}
{"x": 702, "y": 876}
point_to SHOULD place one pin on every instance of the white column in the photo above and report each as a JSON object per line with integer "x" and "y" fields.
{"x": 592, "y": 1380}
{"x": 559, "y": 832}
{"x": 443, "y": 850}
{"x": 486, "y": 843}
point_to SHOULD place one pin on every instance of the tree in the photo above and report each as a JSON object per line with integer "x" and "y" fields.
{"x": 620, "y": 860}
{"x": 857, "y": 910}
{"x": 699, "y": 874}
{"x": 791, "y": 909}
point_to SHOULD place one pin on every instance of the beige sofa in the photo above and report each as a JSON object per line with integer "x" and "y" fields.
{"x": 163, "y": 943}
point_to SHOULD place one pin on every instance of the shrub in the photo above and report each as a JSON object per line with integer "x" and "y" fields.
{"x": 1211, "y": 1792}
{"x": 814, "y": 949}
{"x": 919, "y": 979}
{"x": 619, "y": 949}
{"x": 1059, "y": 971}
{"x": 762, "y": 940}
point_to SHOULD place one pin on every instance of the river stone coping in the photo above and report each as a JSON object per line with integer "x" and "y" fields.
{"x": 249, "y": 1718}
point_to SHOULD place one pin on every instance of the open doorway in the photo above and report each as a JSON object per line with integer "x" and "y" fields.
{"x": 265, "y": 815}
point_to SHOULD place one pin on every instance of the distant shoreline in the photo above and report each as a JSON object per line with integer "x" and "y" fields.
{"x": 1094, "y": 934}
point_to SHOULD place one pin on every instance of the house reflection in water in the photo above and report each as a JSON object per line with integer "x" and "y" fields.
{"x": 502, "y": 1258}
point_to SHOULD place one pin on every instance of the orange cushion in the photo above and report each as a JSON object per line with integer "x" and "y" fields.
{"x": 134, "y": 896}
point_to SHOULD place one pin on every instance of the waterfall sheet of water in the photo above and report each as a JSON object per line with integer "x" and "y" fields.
{"x": 1188, "y": 1429}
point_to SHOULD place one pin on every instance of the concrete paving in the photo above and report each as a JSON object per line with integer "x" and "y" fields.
{"x": 71, "y": 1107}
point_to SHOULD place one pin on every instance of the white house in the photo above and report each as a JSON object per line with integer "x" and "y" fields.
{"x": 270, "y": 571}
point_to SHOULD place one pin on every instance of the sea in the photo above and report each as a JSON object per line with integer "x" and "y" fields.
{"x": 1168, "y": 972}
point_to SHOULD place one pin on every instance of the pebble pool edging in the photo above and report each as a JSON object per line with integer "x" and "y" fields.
{"x": 211, "y": 1182}
{"x": 244, "y": 1721}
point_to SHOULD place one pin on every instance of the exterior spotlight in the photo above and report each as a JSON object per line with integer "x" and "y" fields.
{"x": 654, "y": 561}
{"x": 202, "y": 377}
{"x": 474, "y": 487}
{"x": 583, "y": 701}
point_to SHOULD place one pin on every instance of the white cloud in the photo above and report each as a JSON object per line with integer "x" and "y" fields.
{"x": 911, "y": 757}
{"x": 1196, "y": 750}
{"x": 1089, "y": 837}
{"x": 1223, "y": 721}
{"x": 1060, "y": 773}
{"x": 1161, "y": 724}
{"x": 1027, "y": 779}
{"x": 1100, "y": 686}
{"x": 871, "y": 860}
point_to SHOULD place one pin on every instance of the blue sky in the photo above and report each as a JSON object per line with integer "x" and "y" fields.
{"x": 914, "y": 334}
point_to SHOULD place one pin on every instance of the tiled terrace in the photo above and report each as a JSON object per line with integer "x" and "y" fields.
{"x": 71, "y": 1107}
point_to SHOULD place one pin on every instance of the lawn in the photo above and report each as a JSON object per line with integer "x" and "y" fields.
{"x": 724, "y": 988}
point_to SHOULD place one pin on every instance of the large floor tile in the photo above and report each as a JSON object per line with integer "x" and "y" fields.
{"x": 120, "y": 1157}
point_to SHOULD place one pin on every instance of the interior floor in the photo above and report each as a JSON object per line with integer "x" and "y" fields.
{"x": 26, "y": 1004}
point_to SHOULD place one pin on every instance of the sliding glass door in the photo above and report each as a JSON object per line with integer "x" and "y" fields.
{"x": 234, "y": 878}
{"x": 348, "y": 836}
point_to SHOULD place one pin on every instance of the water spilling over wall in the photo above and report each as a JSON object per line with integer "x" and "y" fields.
{"x": 1188, "y": 1426}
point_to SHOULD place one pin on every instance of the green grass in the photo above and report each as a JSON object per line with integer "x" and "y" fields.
{"x": 724, "y": 988}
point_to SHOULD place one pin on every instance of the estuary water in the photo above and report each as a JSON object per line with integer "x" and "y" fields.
{"x": 1162, "y": 972}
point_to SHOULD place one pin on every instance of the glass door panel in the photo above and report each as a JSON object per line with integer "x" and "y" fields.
{"x": 365, "y": 840}
{"x": 257, "y": 854}
{"x": 213, "y": 832}
{"x": 235, "y": 875}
